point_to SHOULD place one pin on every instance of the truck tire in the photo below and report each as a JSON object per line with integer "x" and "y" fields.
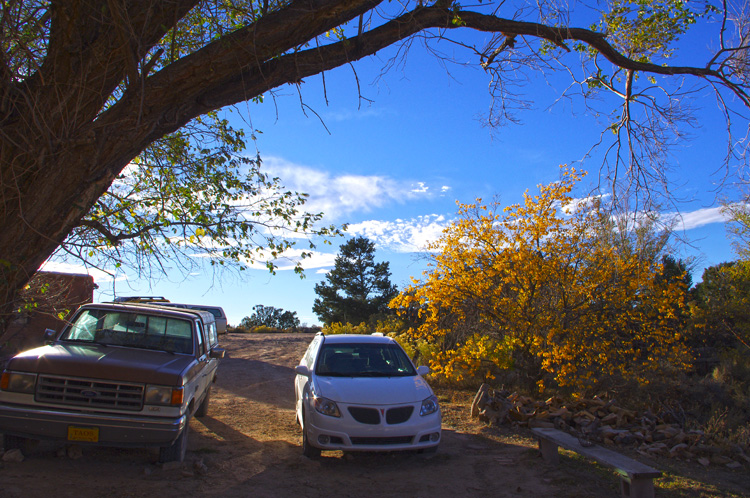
{"x": 177, "y": 450}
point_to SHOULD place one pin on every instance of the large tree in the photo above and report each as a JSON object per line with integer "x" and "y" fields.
{"x": 357, "y": 288}
{"x": 86, "y": 86}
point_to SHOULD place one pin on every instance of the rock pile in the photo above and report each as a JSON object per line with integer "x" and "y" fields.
{"x": 603, "y": 421}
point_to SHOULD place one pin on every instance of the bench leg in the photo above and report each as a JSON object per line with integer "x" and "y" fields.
{"x": 548, "y": 449}
{"x": 637, "y": 488}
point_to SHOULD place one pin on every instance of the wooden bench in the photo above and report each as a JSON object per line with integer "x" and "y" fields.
{"x": 636, "y": 478}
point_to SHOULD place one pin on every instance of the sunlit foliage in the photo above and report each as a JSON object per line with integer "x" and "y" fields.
{"x": 553, "y": 286}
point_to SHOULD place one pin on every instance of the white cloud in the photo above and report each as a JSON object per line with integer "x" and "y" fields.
{"x": 402, "y": 235}
{"x": 339, "y": 196}
{"x": 62, "y": 267}
{"x": 290, "y": 258}
{"x": 698, "y": 218}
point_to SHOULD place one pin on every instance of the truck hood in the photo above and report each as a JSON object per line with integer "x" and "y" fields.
{"x": 96, "y": 361}
{"x": 373, "y": 390}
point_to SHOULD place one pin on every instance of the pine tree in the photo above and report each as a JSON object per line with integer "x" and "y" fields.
{"x": 357, "y": 288}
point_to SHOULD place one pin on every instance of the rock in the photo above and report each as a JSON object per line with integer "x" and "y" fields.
{"x": 13, "y": 456}
{"x": 704, "y": 461}
{"x": 541, "y": 424}
{"x": 678, "y": 448}
{"x": 200, "y": 468}
{"x": 167, "y": 466}
{"x": 734, "y": 465}
{"x": 75, "y": 452}
{"x": 721, "y": 460}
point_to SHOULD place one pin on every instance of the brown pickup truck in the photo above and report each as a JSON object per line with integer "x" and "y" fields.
{"x": 117, "y": 375}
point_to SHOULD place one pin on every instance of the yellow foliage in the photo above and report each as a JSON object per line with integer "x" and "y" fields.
{"x": 558, "y": 282}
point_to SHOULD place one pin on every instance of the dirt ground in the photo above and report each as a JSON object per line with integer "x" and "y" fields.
{"x": 249, "y": 445}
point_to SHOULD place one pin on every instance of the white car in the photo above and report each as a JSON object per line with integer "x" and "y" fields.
{"x": 363, "y": 393}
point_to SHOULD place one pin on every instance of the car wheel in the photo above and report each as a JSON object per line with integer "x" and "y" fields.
{"x": 308, "y": 450}
{"x": 176, "y": 452}
{"x": 202, "y": 410}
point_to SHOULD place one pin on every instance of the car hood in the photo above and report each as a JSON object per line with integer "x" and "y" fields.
{"x": 373, "y": 390}
{"x": 104, "y": 362}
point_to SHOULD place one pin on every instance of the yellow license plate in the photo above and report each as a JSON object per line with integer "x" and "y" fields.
{"x": 84, "y": 434}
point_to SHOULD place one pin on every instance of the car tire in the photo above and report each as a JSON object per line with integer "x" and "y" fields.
{"x": 202, "y": 410}
{"x": 308, "y": 450}
{"x": 177, "y": 450}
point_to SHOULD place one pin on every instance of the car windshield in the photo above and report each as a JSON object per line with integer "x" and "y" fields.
{"x": 134, "y": 330}
{"x": 363, "y": 360}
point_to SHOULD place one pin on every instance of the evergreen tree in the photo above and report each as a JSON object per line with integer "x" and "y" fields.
{"x": 357, "y": 288}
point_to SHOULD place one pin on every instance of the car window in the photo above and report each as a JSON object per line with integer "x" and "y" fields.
{"x": 201, "y": 347}
{"x": 363, "y": 360}
{"x": 119, "y": 328}
{"x": 212, "y": 337}
{"x": 310, "y": 354}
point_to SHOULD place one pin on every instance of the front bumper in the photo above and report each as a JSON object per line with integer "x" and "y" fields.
{"x": 345, "y": 433}
{"x": 111, "y": 429}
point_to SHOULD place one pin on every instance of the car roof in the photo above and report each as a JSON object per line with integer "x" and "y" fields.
{"x": 357, "y": 339}
{"x": 153, "y": 308}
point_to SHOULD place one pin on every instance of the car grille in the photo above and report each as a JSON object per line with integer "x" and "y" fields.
{"x": 372, "y": 417}
{"x": 398, "y": 415}
{"x": 382, "y": 441}
{"x": 89, "y": 392}
{"x": 365, "y": 415}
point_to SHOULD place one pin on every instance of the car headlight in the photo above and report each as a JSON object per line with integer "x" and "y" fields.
{"x": 18, "y": 382}
{"x": 164, "y": 395}
{"x": 430, "y": 405}
{"x": 326, "y": 406}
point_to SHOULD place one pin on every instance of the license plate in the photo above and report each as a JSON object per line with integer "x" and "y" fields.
{"x": 84, "y": 434}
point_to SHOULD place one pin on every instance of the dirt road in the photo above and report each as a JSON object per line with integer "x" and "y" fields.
{"x": 248, "y": 445}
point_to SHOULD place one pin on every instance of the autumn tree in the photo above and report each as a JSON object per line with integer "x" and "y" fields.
{"x": 562, "y": 289}
{"x": 357, "y": 288}
{"x": 86, "y": 87}
{"x": 721, "y": 307}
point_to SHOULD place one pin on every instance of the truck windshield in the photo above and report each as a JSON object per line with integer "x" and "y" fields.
{"x": 135, "y": 330}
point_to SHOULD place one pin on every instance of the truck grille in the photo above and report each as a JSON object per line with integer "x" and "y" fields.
{"x": 91, "y": 393}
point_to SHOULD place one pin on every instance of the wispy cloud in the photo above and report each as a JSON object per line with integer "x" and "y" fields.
{"x": 349, "y": 115}
{"x": 402, "y": 235}
{"x": 698, "y": 218}
{"x": 340, "y": 195}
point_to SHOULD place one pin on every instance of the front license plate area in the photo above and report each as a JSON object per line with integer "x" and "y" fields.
{"x": 83, "y": 434}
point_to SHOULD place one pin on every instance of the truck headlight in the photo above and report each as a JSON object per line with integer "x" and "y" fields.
{"x": 18, "y": 382}
{"x": 164, "y": 395}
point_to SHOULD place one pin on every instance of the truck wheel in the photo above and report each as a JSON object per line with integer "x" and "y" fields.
{"x": 202, "y": 410}
{"x": 176, "y": 452}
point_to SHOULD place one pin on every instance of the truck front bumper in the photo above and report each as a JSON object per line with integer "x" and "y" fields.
{"x": 76, "y": 427}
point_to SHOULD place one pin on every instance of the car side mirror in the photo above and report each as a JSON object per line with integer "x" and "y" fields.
{"x": 217, "y": 353}
{"x": 423, "y": 370}
{"x": 302, "y": 370}
{"x": 49, "y": 336}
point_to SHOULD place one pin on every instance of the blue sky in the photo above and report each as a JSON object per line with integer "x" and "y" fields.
{"x": 394, "y": 166}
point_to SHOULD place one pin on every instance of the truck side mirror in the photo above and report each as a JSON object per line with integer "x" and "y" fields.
{"x": 49, "y": 336}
